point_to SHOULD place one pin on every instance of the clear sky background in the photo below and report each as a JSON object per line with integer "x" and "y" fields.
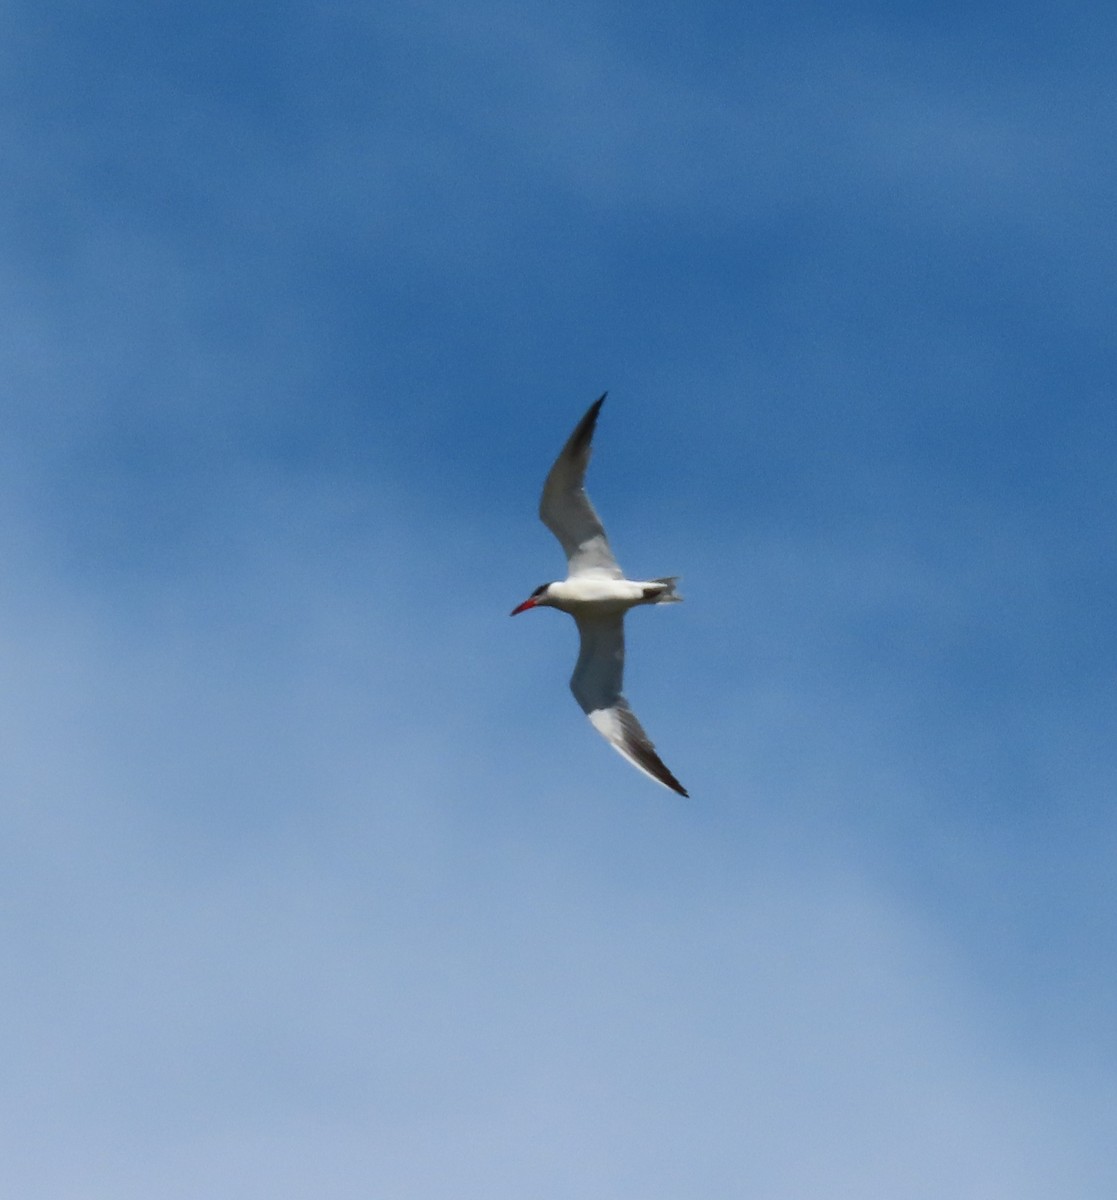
{"x": 315, "y": 882}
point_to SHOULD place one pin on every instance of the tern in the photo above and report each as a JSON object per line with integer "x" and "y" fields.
{"x": 597, "y": 595}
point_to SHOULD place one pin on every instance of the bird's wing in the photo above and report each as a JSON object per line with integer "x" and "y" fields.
{"x": 596, "y": 684}
{"x": 566, "y": 509}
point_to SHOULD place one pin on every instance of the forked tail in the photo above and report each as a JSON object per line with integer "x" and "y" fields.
{"x": 662, "y": 591}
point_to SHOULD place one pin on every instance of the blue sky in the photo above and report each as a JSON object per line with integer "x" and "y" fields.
{"x": 315, "y": 880}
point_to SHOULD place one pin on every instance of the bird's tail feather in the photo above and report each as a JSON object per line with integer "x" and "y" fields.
{"x": 668, "y": 595}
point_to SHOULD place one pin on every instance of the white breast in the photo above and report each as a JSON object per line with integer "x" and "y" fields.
{"x": 597, "y": 593}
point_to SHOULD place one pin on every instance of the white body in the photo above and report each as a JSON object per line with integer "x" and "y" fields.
{"x": 597, "y": 594}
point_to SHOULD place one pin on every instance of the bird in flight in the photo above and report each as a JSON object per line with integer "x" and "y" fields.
{"x": 597, "y": 595}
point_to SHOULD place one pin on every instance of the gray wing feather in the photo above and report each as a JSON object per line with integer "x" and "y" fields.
{"x": 566, "y": 509}
{"x": 596, "y": 683}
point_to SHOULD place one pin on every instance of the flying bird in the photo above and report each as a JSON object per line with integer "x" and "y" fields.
{"x": 597, "y": 595}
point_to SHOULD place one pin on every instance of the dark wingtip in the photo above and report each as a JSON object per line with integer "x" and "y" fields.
{"x": 674, "y": 784}
{"x": 583, "y": 433}
{"x": 639, "y": 745}
{"x": 664, "y": 775}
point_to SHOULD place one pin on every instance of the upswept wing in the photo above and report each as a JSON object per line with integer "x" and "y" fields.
{"x": 566, "y": 509}
{"x": 596, "y": 683}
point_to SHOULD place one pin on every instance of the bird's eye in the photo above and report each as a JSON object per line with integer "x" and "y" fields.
{"x": 540, "y": 589}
